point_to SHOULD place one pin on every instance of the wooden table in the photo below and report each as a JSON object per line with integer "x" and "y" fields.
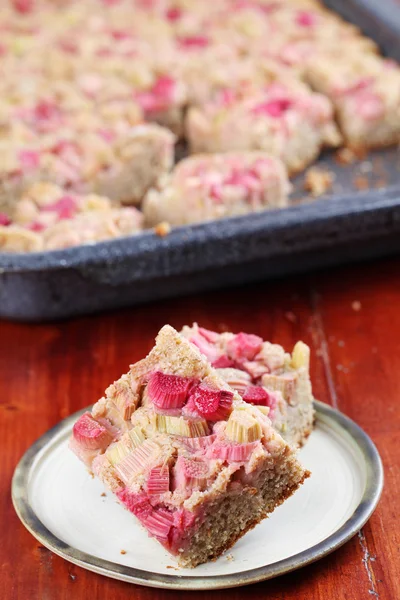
{"x": 350, "y": 317}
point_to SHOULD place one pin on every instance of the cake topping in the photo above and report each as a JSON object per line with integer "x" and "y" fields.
{"x": 168, "y": 391}
{"x": 91, "y": 434}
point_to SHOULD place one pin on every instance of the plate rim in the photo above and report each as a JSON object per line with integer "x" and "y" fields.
{"x": 363, "y": 511}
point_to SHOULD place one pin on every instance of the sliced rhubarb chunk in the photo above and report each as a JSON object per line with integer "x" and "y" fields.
{"x": 211, "y": 336}
{"x": 244, "y": 345}
{"x": 285, "y": 384}
{"x": 137, "y": 436}
{"x": 242, "y": 427}
{"x": 190, "y": 474}
{"x": 90, "y": 434}
{"x": 168, "y": 391}
{"x": 181, "y": 426}
{"x": 260, "y": 397}
{"x": 255, "y": 394}
{"x": 117, "y": 452}
{"x": 159, "y": 523}
{"x": 199, "y": 443}
{"x": 138, "y": 504}
{"x": 300, "y": 356}
{"x": 138, "y": 461}
{"x": 205, "y": 347}
{"x": 4, "y": 219}
{"x": 223, "y": 362}
{"x": 213, "y": 405}
{"x": 158, "y": 481}
{"x": 231, "y": 452}
{"x": 237, "y": 379}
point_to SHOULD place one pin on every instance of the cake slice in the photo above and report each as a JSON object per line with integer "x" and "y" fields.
{"x": 48, "y": 218}
{"x": 185, "y": 454}
{"x": 264, "y": 375}
{"x": 82, "y": 153}
{"x": 206, "y": 187}
{"x": 284, "y": 119}
{"x": 365, "y": 91}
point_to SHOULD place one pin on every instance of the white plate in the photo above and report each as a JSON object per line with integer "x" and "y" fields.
{"x": 63, "y": 507}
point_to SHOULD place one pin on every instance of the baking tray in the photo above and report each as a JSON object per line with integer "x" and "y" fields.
{"x": 351, "y": 223}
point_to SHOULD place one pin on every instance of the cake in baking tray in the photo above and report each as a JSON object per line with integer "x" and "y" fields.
{"x": 95, "y": 95}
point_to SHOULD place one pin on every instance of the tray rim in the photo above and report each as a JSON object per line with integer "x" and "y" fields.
{"x": 147, "y": 243}
{"x": 367, "y": 505}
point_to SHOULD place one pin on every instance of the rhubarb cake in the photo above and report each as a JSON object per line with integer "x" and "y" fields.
{"x": 264, "y": 375}
{"x": 205, "y": 187}
{"x": 102, "y": 160}
{"x": 366, "y": 94}
{"x": 185, "y": 454}
{"x": 288, "y": 121}
{"x": 46, "y": 218}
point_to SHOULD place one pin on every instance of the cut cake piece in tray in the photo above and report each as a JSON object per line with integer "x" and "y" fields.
{"x": 121, "y": 165}
{"x": 48, "y": 218}
{"x": 212, "y": 186}
{"x": 264, "y": 375}
{"x": 185, "y": 454}
{"x": 365, "y": 91}
{"x": 288, "y": 121}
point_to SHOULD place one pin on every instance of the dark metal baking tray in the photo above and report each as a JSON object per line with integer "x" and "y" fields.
{"x": 346, "y": 225}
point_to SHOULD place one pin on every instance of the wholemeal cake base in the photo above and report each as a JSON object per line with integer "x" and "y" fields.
{"x": 185, "y": 454}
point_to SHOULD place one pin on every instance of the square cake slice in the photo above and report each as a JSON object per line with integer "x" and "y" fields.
{"x": 48, "y": 218}
{"x": 94, "y": 159}
{"x": 365, "y": 91}
{"x": 285, "y": 119}
{"x": 264, "y": 375}
{"x": 185, "y": 454}
{"x": 206, "y": 187}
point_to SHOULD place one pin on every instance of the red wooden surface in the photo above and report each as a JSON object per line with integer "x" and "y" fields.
{"x": 49, "y": 371}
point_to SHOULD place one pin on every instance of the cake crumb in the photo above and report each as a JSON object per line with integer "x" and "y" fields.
{"x": 103, "y": 495}
{"x": 345, "y": 156}
{"x": 356, "y": 305}
{"x": 361, "y": 183}
{"x": 290, "y": 316}
{"x": 171, "y": 567}
{"x": 318, "y": 181}
{"x": 366, "y": 167}
{"x": 123, "y": 552}
{"x": 230, "y": 557}
{"x": 162, "y": 229}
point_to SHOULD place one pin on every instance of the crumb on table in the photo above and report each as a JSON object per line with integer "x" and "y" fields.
{"x": 162, "y": 229}
{"x": 123, "y": 552}
{"x": 318, "y": 181}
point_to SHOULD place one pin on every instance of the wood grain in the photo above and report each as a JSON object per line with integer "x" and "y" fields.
{"x": 49, "y": 371}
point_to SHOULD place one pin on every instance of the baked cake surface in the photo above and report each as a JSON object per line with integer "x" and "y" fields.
{"x": 46, "y": 218}
{"x": 185, "y": 454}
{"x": 264, "y": 375}
{"x": 206, "y": 187}
{"x": 285, "y": 119}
